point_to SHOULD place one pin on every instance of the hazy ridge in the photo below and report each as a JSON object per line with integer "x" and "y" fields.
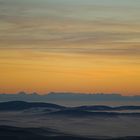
{"x": 37, "y": 120}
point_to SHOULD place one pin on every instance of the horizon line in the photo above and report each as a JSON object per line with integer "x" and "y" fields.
{"x": 76, "y": 93}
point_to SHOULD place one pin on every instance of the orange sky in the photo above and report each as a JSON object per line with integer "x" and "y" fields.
{"x": 43, "y": 72}
{"x": 70, "y": 46}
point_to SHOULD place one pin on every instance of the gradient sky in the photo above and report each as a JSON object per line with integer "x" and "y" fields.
{"x": 70, "y": 45}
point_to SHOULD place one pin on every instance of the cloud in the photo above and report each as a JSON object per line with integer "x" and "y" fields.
{"x": 93, "y": 27}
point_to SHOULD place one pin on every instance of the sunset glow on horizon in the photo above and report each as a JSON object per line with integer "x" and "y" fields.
{"x": 87, "y": 46}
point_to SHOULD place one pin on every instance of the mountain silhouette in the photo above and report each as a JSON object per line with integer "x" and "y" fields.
{"x": 21, "y": 105}
{"x": 53, "y": 109}
{"x": 70, "y": 97}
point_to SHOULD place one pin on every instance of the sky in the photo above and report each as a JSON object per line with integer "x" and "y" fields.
{"x": 87, "y": 46}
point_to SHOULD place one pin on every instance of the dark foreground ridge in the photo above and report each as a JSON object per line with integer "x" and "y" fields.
{"x": 17, "y": 133}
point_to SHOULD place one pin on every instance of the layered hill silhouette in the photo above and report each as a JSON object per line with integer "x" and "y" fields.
{"x": 53, "y": 109}
{"x": 22, "y": 120}
{"x": 21, "y": 105}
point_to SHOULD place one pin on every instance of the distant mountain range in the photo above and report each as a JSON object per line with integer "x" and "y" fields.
{"x": 51, "y": 97}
